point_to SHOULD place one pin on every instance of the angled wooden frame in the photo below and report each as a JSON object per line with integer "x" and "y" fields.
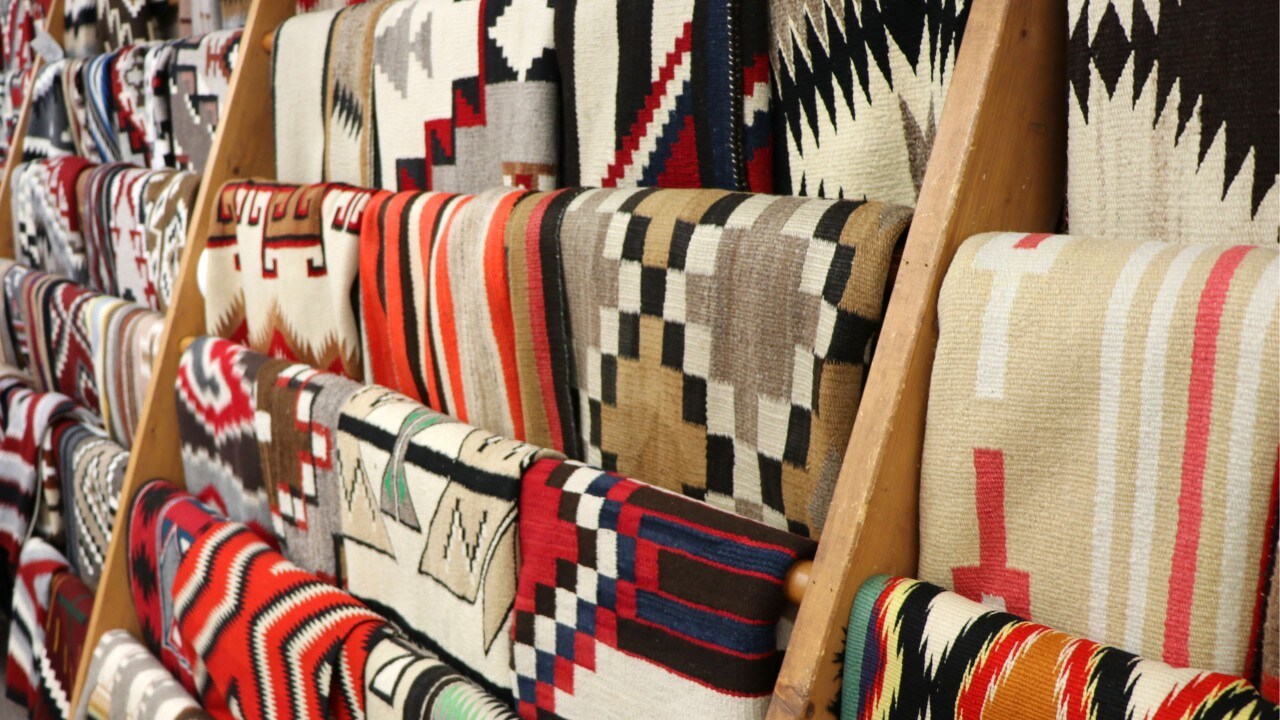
{"x": 240, "y": 149}
{"x": 54, "y": 24}
{"x": 998, "y": 163}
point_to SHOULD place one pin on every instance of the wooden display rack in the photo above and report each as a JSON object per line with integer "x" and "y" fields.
{"x": 243, "y": 147}
{"x": 998, "y": 163}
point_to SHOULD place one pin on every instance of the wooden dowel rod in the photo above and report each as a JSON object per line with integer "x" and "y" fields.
{"x": 797, "y": 581}
{"x": 185, "y": 343}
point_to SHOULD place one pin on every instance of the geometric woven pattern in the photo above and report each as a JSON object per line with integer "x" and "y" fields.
{"x": 638, "y": 602}
{"x": 125, "y": 339}
{"x": 1173, "y": 120}
{"x": 125, "y": 680}
{"x": 70, "y": 605}
{"x": 125, "y": 22}
{"x": 92, "y": 468}
{"x": 666, "y": 93}
{"x": 861, "y": 86}
{"x": 915, "y": 650}
{"x": 720, "y": 340}
{"x": 199, "y": 77}
{"x": 129, "y": 92}
{"x": 432, "y": 502}
{"x": 61, "y": 352}
{"x": 280, "y": 267}
{"x": 46, "y": 216}
{"x": 28, "y": 655}
{"x": 48, "y": 126}
{"x": 1148, "y": 522}
{"x": 466, "y": 96}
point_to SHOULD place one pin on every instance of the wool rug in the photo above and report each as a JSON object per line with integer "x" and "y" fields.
{"x": 298, "y": 79}
{"x": 1173, "y": 120}
{"x": 126, "y": 341}
{"x": 216, "y": 392}
{"x": 48, "y": 126}
{"x": 125, "y": 680}
{"x": 432, "y": 501}
{"x": 47, "y": 216}
{"x": 199, "y": 79}
{"x": 128, "y": 77}
{"x": 12, "y": 90}
{"x": 80, "y": 28}
{"x": 279, "y": 271}
{"x": 92, "y": 468}
{"x": 1147, "y": 364}
{"x": 468, "y": 118}
{"x": 50, "y": 516}
{"x": 1267, "y": 647}
{"x": 28, "y": 654}
{"x": 18, "y": 20}
{"x": 62, "y": 357}
{"x": 157, "y": 114}
{"x": 637, "y": 602}
{"x": 435, "y": 301}
{"x": 348, "y": 94}
{"x": 75, "y": 90}
{"x": 100, "y": 109}
{"x": 403, "y": 681}
{"x": 101, "y": 191}
{"x": 668, "y": 93}
{"x": 13, "y": 334}
{"x": 720, "y": 340}
{"x": 860, "y": 88}
{"x": 914, "y": 649}
{"x": 65, "y": 626}
{"x": 164, "y": 522}
{"x": 234, "y": 593}
{"x": 127, "y": 22}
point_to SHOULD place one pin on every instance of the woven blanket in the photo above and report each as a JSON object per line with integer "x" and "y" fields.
{"x": 279, "y": 272}
{"x": 80, "y": 28}
{"x": 62, "y": 357}
{"x": 75, "y": 91}
{"x": 297, "y": 79}
{"x": 659, "y": 603}
{"x": 65, "y": 626}
{"x": 126, "y": 342}
{"x": 860, "y": 87}
{"x": 216, "y": 389}
{"x": 136, "y": 229}
{"x": 92, "y": 468}
{"x": 48, "y": 126}
{"x": 125, "y": 680}
{"x": 404, "y": 681}
{"x": 46, "y": 216}
{"x": 435, "y": 299}
{"x": 125, "y": 22}
{"x": 1151, "y": 375}
{"x": 157, "y": 114}
{"x": 199, "y": 78}
{"x": 100, "y": 106}
{"x": 13, "y": 335}
{"x": 348, "y": 82}
{"x": 669, "y": 93}
{"x": 49, "y": 519}
{"x": 127, "y": 72}
{"x": 914, "y": 649}
{"x": 1173, "y": 120}
{"x": 472, "y": 117}
{"x": 28, "y": 655}
{"x": 266, "y": 637}
{"x": 1267, "y": 647}
{"x": 432, "y": 502}
{"x": 18, "y": 19}
{"x": 719, "y": 340}
{"x": 164, "y": 522}
{"x": 12, "y": 88}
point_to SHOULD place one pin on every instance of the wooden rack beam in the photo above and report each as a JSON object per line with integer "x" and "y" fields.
{"x": 54, "y": 24}
{"x": 240, "y": 149}
{"x": 998, "y": 163}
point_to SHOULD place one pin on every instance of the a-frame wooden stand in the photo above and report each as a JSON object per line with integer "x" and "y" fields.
{"x": 243, "y": 147}
{"x": 998, "y": 163}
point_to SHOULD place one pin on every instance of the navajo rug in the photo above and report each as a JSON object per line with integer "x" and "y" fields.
{"x": 28, "y": 655}
{"x": 164, "y": 522}
{"x": 1268, "y": 646}
{"x": 100, "y": 106}
{"x": 61, "y": 353}
{"x": 198, "y": 81}
{"x": 157, "y": 113}
{"x": 404, "y": 681}
{"x": 435, "y": 300}
{"x": 80, "y": 28}
{"x": 127, "y": 73}
{"x": 1147, "y": 364}
{"x": 348, "y": 110}
{"x": 92, "y": 468}
{"x": 46, "y": 216}
{"x": 666, "y": 93}
{"x": 126, "y": 342}
{"x": 13, "y": 334}
{"x": 720, "y": 340}
{"x": 12, "y": 88}
{"x": 481, "y": 110}
{"x": 125, "y": 22}
{"x": 1173, "y": 120}
{"x": 915, "y": 650}
{"x": 280, "y": 271}
{"x": 101, "y": 191}
{"x": 18, "y": 19}
{"x": 76, "y": 91}
{"x": 636, "y": 602}
{"x": 217, "y": 414}
{"x": 125, "y": 680}
{"x": 65, "y": 625}
{"x": 296, "y": 81}
{"x": 432, "y": 502}
{"x": 860, "y": 88}
{"x": 48, "y": 127}
{"x": 234, "y": 593}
